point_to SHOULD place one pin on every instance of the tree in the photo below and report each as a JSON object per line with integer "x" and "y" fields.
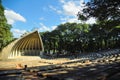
{"x": 66, "y": 38}
{"x": 5, "y": 34}
{"x": 105, "y": 11}
{"x": 72, "y": 38}
{"x": 107, "y": 14}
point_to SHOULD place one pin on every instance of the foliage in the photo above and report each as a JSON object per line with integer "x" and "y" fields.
{"x": 5, "y": 34}
{"x": 76, "y": 38}
{"x": 71, "y": 38}
{"x": 107, "y": 12}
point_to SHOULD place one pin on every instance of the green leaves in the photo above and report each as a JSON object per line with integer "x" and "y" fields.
{"x": 81, "y": 17}
{"x": 72, "y": 37}
{"x": 107, "y": 12}
{"x": 5, "y": 34}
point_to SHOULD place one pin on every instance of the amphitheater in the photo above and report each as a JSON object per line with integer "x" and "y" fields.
{"x": 28, "y": 45}
{"x": 27, "y": 52}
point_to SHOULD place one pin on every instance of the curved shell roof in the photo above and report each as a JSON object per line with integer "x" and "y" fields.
{"x": 28, "y": 45}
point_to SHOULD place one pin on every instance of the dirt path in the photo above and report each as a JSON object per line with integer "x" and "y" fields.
{"x": 29, "y": 61}
{"x": 59, "y": 69}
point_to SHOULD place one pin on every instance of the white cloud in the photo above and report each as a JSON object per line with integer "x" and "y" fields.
{"x": 12, "y": 17}
{"x": 43, "y": 27}
{"x": 17, "y": 32}
{"x": 70, "y": 8}
{"x": 54, "y": 27}
{"x": 54, "y": 9}
{"x": 42, "y": 18}
{"x": 69, "y": 19}
{"x": 74, "y": 19}
{"x": 91, "y": 20}
{"x": 62, "y": 1}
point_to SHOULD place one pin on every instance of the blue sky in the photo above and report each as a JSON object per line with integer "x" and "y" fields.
{"x": 43, "y": 15}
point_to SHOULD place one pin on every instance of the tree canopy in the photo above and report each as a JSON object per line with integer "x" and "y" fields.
{"x": 107, "y": 12}
{"x": 70, "y": 38}
{"x": 5, "y": 34}
{"x": 76, "y": 38}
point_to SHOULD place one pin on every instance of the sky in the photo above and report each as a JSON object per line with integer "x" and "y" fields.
{"x": 41, "y": 15}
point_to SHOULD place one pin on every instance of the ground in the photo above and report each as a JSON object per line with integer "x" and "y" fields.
{"x": 59, "y": 69}
{"x": 30, "y": 61}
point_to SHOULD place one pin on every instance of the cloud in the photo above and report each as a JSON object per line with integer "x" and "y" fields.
{"x": 54, "y": 9}
{"x": 45, "y": 28}
{"x": 12, "y": 17}
{"x": 72, "y": 7}
{"x": 70, "y": 10}
{"x": 75, "y": 20}
{"x": 53, "y": 27}
{"x": 91, "y": 21}
{"x": 62, "y": 1}
{"x": 42, "y": 18}
{"x": 17, "y": 32}
{"x": 69, "y": 19}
